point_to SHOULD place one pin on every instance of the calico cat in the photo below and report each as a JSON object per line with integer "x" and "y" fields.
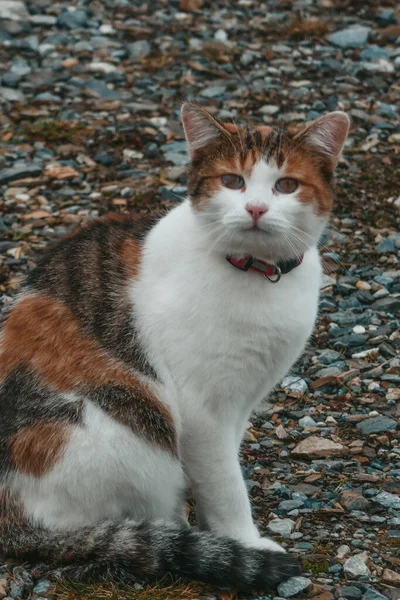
{"x": 136, "y": 350}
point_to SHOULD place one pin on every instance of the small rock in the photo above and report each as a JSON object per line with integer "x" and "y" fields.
{"x": 213, "y": 91}
{"x": 42, "y": 587}
{"x": 372, "y": 594}
{"x": 13, "y": 10}
{"x": 307, "y": 421}
{"x": 316, "y": 447}
{"x": 282, "y": 527}
{"x": 139, "y": 50}
{"x": 355, "y": 565}
{"x": 295, "y": 384}
{"x": 351, "y": 592}
{"x": 4, "y": 585}
{"x": 352, "y": 500}
{"x": 269, "y": 109}
{"x": 288, "y": 505}
{"x": 14, "y": 173}
{"x": 342, "y": 551}
{"x": 391, "y": 577}
{"x": 294, "y": 586}
{"x": 352, "y": 37}
{"x": 359, "y": 329}
{"x": 72, "y": 18}
{"x": 387, "y": 500}
{"x": 377, "y": 425}
{"x": 281, "y": 433}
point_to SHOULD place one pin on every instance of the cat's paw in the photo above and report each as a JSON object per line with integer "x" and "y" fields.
{"x": 264, "y": 543}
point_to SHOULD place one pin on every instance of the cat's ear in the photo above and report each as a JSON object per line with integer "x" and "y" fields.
{"x": 200, "y": 127}
{"x": 327, "y": 135}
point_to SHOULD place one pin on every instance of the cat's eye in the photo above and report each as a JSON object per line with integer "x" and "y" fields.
{"x": 286, "y": 185}
{"x": 232, "y": 181}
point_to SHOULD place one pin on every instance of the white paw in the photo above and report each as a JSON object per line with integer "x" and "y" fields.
{"x": 266, "y": 544}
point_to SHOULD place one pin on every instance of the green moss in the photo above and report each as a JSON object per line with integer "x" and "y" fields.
{"x": 315, "y": 567}
{"x": 54, "y": 130}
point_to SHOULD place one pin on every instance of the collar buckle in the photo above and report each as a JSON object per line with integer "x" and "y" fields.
{"x": 277, "y": 275}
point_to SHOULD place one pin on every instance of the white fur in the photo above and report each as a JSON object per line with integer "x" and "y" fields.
{"x": 220, "y": 340}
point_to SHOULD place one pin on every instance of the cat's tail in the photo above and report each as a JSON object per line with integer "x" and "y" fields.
{"x": 128, "y": 551}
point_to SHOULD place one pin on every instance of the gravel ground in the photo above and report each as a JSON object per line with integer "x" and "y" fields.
{"x": 89, "y": 122}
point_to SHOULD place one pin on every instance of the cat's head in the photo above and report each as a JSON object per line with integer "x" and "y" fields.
{"x": 259, "y": 190}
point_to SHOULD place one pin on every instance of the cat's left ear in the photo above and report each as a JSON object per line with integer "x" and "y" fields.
{"x": 200, "y": 127}
{"x": 327, "y": 135}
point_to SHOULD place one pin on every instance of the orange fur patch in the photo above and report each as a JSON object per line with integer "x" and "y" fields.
{"x": 131, "y": 253}
{"x": 44, "y": 335}
{"x": 314, "y": 189}
{"x": 36, "y": 449}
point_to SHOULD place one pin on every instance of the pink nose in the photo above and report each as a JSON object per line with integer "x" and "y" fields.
{"x": 256, "y": 211}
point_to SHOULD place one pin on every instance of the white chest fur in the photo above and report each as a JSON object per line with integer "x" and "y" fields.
{"x": 218, "y": 336}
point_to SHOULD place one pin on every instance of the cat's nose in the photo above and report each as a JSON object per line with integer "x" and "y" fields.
{"x": 256, "y": 211}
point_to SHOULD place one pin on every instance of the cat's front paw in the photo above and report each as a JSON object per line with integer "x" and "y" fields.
{"x": 264, "y": 543}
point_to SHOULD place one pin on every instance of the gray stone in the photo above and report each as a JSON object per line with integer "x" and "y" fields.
{"x": 71, "y": 18}
{"x": 7, "y": 175}
{"x": 307, "y": 422}
{"x": 372, "y": 594}
{"x": 351, "y": 592}
{"x": 247, "y": 58}
{"x": 352, "y": 37}
{"x": 46, "y": 20}
{"x": 282, "y": 527}
{"x": 387, "y": 500}
{"x": 295, "y": 384}
{"x": 42, "y": 586}
{"x": 377, "y": 425}
{"x": 328, "y": 372}
{"x": 327, "y": 357}
{"x": 387, "y": 304}
{"x": 294, "y": 586}
{"x": 139, "y": 50}
{"x": 288, "y": 505}
{"x": 13, "y": 10}
{"x": 374, "y": 53}
{"x": 213, "y": 91}
{"x": 101, "y": 89}
{"x": 355, "y": 565}
{"x": 11, "y": 95}
{"x": 387, "y": 245}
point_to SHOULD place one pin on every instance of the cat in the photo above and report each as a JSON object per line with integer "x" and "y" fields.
{"x": 134, "y": 354}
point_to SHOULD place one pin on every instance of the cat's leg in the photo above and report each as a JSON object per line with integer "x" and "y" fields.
{"x": 210, "y": 457}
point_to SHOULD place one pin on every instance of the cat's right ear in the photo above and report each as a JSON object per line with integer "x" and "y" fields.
{"x": 200, "y": 127}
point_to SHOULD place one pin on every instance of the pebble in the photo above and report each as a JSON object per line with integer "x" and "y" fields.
{"x": 372, "y": 594}
{"x": 315, "y": 447}
{"x": 295, "y": 384}
{"x": 377, "y": 425}
{"x": 387, "y": 500}
{"x": 355, "y": 566}
{"x": 306, "y": 422}
{"x": 294, "y": 586}
{"x": 139, "y": 50}
{"x": 352, "y": 37}
{"x": 282, "y": 527}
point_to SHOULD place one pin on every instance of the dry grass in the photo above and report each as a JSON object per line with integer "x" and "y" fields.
{"x": 178, "y": 590}
{"x": 56, "y": 131}
{"x": 302, "y": 29}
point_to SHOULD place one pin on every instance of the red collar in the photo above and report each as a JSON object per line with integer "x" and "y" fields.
{"x": 271, "y": 272}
